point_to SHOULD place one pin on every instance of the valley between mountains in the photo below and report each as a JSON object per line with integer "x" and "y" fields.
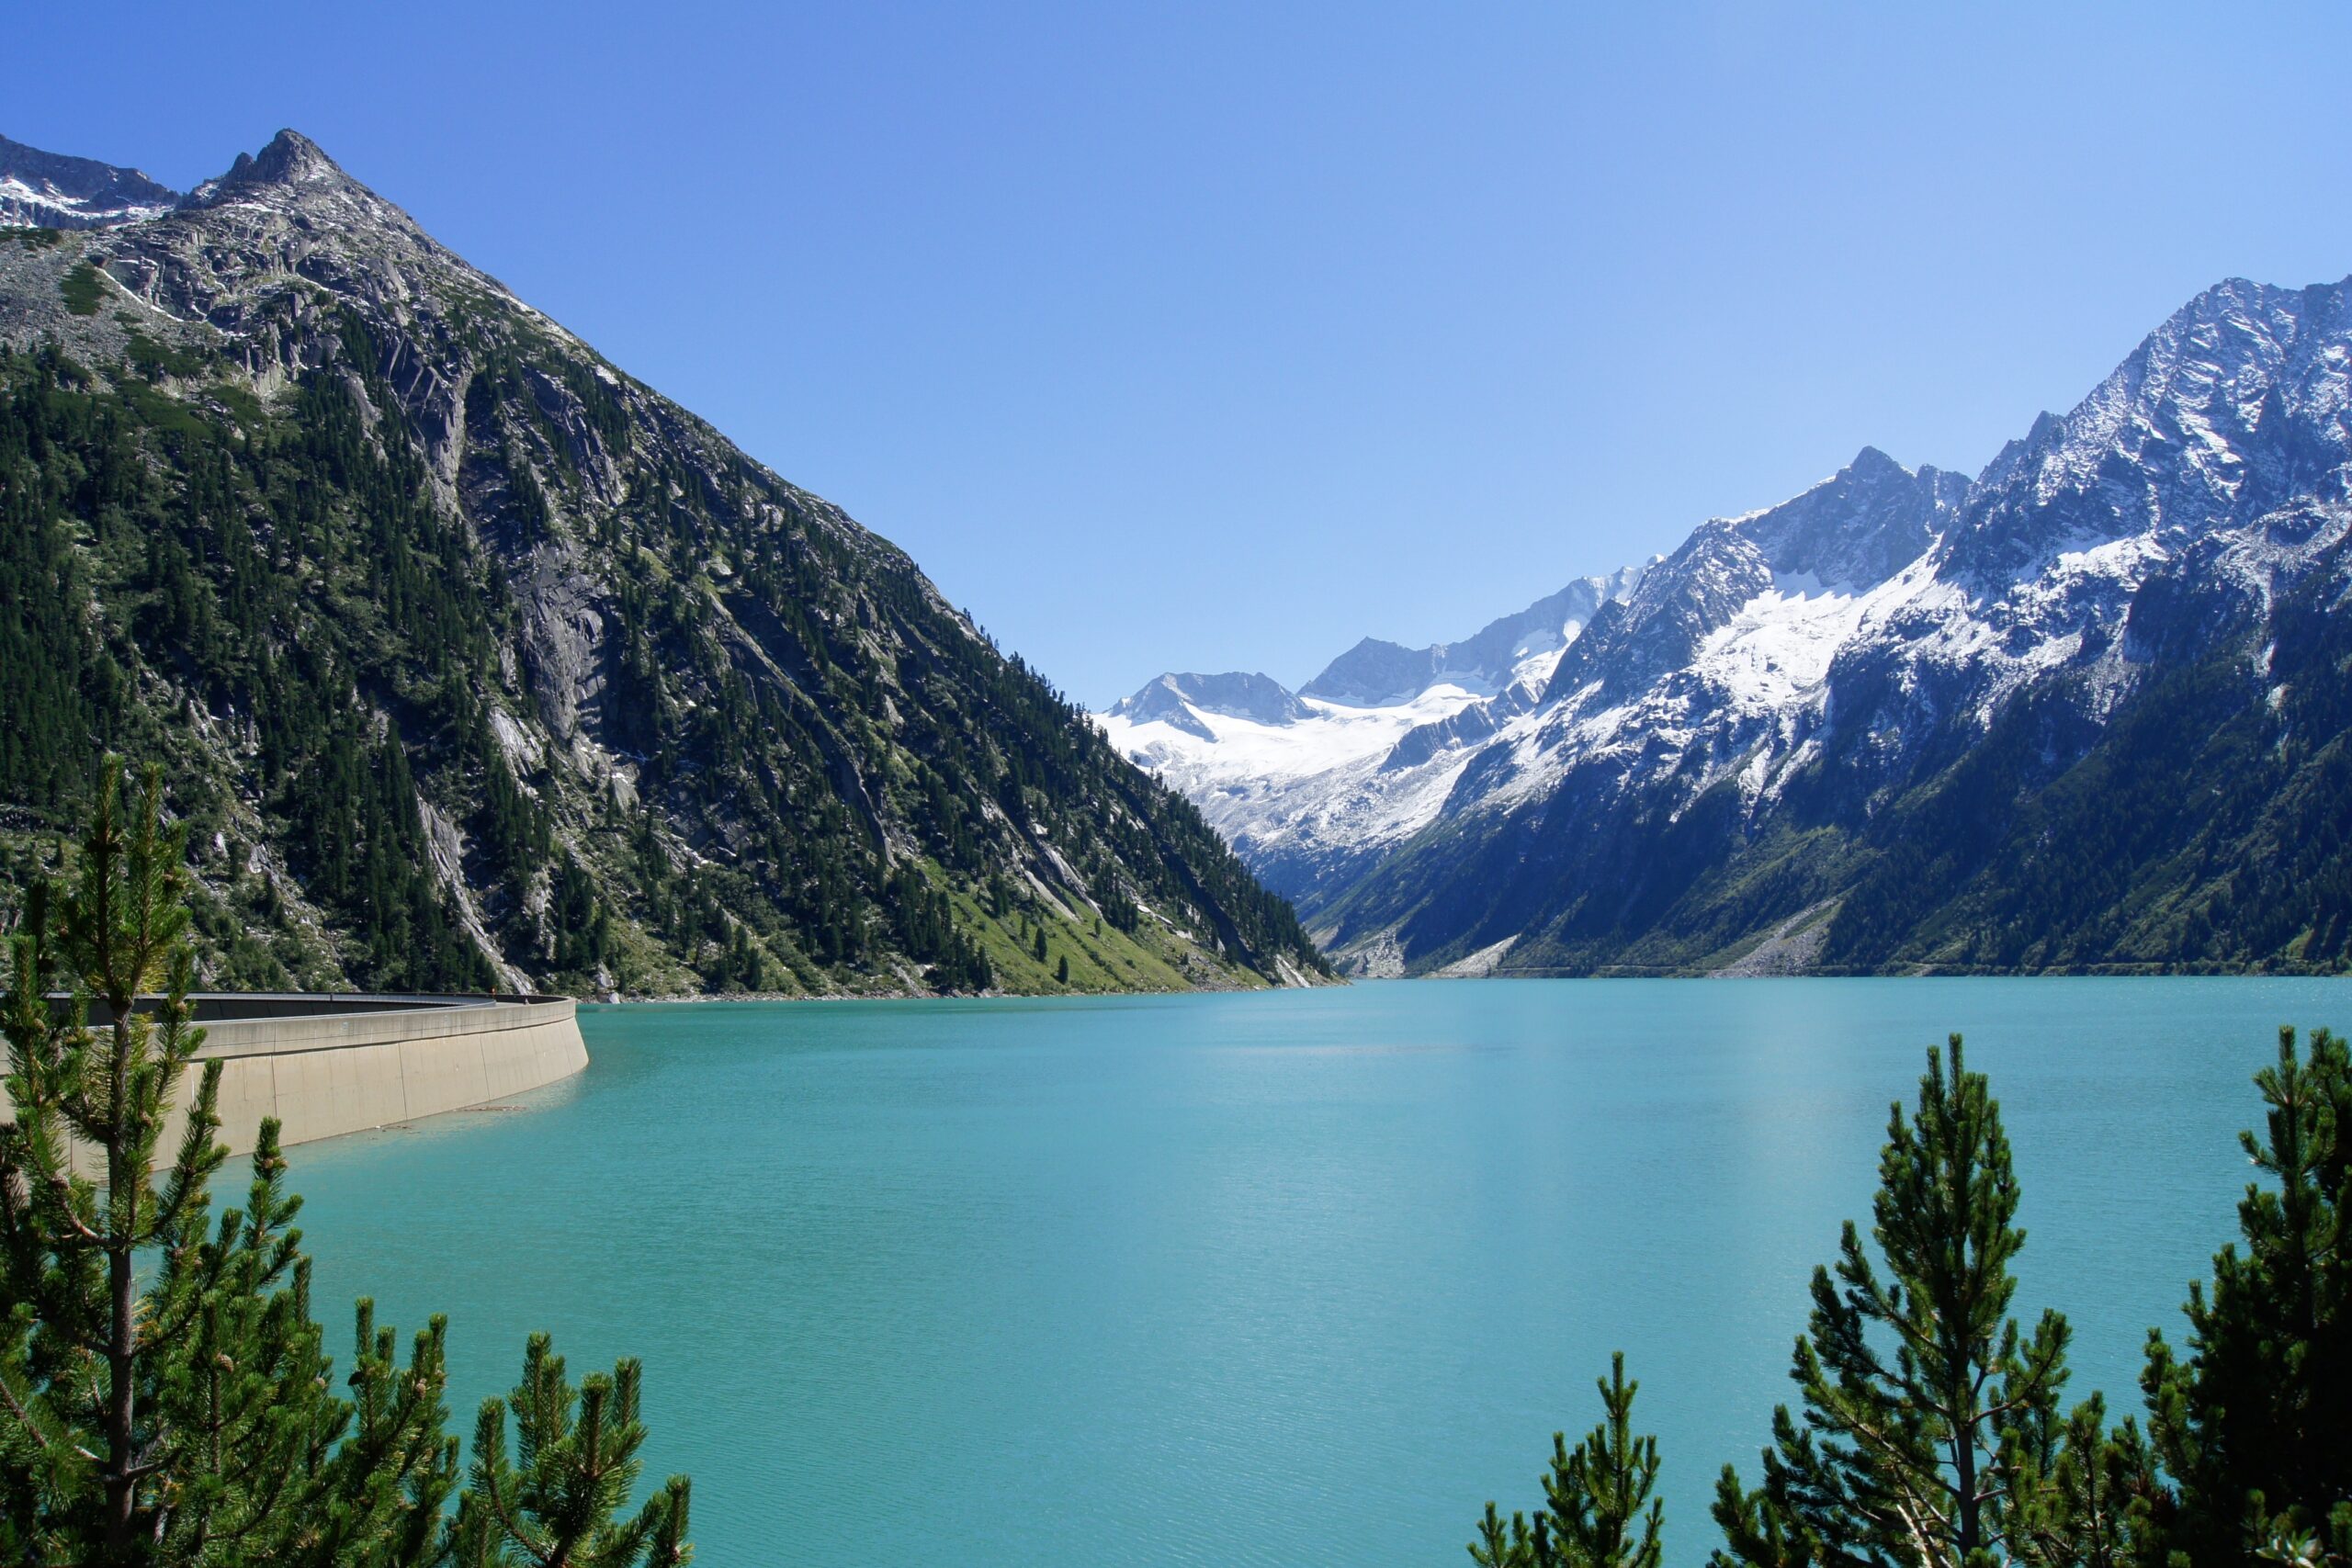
{"x": 2086, "y": 711}
{"x": 475, "y": 662}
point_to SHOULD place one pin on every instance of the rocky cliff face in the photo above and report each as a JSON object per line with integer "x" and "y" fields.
{"x": 2080, "y": 712}
{"x": 484, "y": 662}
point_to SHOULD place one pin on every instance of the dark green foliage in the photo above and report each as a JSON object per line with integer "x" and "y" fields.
{"x": 2254, "y": 1427}
{"x": 583, "y": 927}
{"x": 579, "y": 1464}
{"x": 1600, "y": 1511}
{"x": 62, "y": 696}
{"x": 2078, "y": 1493}
{"x": 355, "y": 833}
{"x": 922, "y": 921}
{"x": 84, "y": 289}
{"x": 184, "y": 1417}
{"x": 1912, "y": 1381}
{"x": 202, "y": 570}
{"x": 1122, "y": 913}
{"x": 151, "y": 358}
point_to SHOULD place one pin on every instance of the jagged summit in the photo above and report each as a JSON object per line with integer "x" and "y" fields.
{"x": 1257, "y": 697}
{"x": 291, "y": 158}
{"x": 292, "y": 176}
{"x": 1861, "y": 525}
{"x": 293, "y": 173}
{"x": 53, "y": 190}
{"x": 1376, "y": 673}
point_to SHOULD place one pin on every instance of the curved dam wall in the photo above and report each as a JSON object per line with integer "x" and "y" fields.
{"x": 333, "y": 1064}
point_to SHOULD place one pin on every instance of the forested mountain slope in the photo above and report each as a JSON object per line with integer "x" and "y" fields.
{"x": 475, "y": 661}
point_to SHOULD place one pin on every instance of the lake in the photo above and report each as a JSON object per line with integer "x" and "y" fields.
{"x": 1278, "y": 1278}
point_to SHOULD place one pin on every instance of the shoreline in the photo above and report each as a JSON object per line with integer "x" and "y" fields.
{"x": 1346, "y": 982}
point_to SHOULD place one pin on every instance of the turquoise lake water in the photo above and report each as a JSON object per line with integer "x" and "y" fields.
{"x": 1292, "y": 1278}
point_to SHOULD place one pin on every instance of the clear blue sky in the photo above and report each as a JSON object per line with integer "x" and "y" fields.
{"x": 1215, "y": 336}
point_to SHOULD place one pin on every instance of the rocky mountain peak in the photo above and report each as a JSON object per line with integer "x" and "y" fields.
{"x": 291, "y": 158}
{"x": 291, "y": 163}
{"x": 1375, "y": 673}
{"x": 1257, "y": 697}
{"x": 2227, "y": 410}
{"x": 1861, "y": 525}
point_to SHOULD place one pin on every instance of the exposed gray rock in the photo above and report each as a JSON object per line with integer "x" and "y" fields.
{"x": 49, "y": 190}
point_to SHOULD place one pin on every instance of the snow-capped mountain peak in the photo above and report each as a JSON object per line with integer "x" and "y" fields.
{"x": 1375, "y": 673}
{"x": 1330, "y": 773}
{"x": 1688, "y": 766}
{"x": 1180, "y": 699}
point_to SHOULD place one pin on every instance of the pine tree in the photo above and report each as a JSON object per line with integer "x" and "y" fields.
{"x": 2253, "y": 1429}
{"x": 185, "y": 1418}
{"x": 165, "y": 1400}
{"x": 2076, "y": 1492}
{"x": 1912, "y": 1383}
{"x": 1037, "y": 945}
{"x": 1061, "y": 971}
{"x": 1931, "y": 1436}
{"x": 576, "y": 1471}
{"x": 1601, "y": 1509}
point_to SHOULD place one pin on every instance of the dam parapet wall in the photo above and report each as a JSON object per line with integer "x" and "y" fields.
{"x": 334, "y": 1063}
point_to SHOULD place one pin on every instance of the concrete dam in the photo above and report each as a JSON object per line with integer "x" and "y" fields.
{"x": 326, "y": 1064}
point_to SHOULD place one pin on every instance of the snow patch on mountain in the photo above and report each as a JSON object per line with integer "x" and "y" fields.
{"x": 50, "y": 190}
{"x": 1314, "y": 781}
{"x": 1776, "y": 649}
{"x": 1838, "y": 649}
{"x": 1316, "y": 777}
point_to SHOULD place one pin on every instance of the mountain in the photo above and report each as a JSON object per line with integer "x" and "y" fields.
{"x": 1180, "y": 699}
{"x": 475, "y": 661}
{"x": 48, "y": 191}
{"x": 1306, "y": 785}
{"x": 1384, "y": 674}
{"x": 2086, "y": 711}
